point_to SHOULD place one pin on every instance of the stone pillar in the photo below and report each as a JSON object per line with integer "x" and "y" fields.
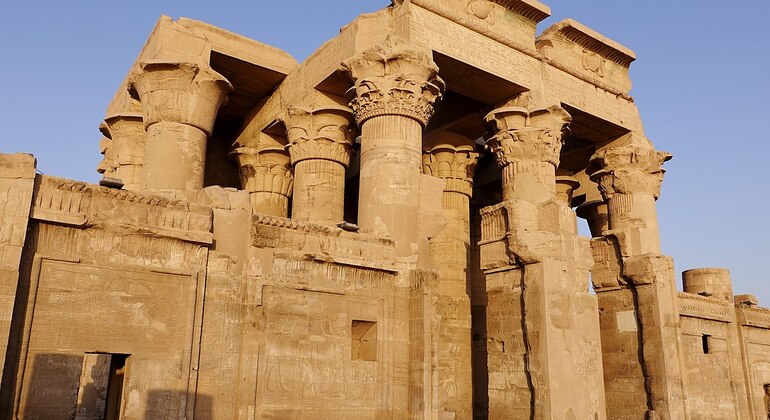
{"x": 180, "y": 101}
{"x": 395, "y": 87}
{"x": 543, "y": 356}
{"x": 127, "y": 133}
{"x": 629, "y": 176}
{"x": 320, "y": 145}
{"x": 265, "y": 173}
{"x": 453, "y": 159}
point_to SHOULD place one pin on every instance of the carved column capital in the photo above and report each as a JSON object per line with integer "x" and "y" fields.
{"x": 393, "y": 79}
{"x": 454, "y": 164}
{"x": 319, "y": 132}
{"x": 527, "y": 135}
{"x": 264, "y": 169}
{"x": 180, "y": 92}
{"x": 632, "y": 167}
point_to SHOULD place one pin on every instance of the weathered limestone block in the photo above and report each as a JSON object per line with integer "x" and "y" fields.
{"x": 395, "y": 86}
{"x": 320, "y": 145}
{"x": 653, "y": 281}
{"x": 511, "y": 23}
{"x": 712, "y": 282}
{"x": 180, "y": 101}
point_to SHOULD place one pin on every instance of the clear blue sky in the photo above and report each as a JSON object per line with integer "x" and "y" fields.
{"x": 702, "y": 82}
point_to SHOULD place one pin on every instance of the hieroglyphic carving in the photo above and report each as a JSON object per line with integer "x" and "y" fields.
{"x": 77, "y": 203}
{"x": 328, "y": 277}
{"x": 306, "y": 355}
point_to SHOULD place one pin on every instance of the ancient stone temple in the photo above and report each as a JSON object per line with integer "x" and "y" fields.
{"x": 387, "y": 230}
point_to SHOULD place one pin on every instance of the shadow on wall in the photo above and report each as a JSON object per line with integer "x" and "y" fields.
{"x": 77, "y": 386}
{"x": 51, "y": 390}
{"x": 167, "y": 404}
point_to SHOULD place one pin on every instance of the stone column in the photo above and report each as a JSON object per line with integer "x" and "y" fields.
{"x": 453, "y": 159}
{"x": 127, "y": 133}
{"x": 395, "y": 87}
{"x": 629, "y": 176}
{"x": 107, "y": 166}
{"x": 543, "y": 356}
{"x": 320, "y": 145}
{"x": 180, "y": 101}
{"x": 526, "y": 146}
{"x": 266, "y": 175}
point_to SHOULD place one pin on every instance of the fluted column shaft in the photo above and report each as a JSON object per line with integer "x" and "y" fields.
{"x": 180, "y": 101}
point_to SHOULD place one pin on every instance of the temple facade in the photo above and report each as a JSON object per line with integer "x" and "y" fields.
{"x": 387, "y": 230}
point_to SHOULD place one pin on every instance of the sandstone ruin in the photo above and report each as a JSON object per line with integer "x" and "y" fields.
{"x": 387, "y": 230}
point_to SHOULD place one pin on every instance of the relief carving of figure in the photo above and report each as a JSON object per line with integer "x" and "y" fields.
{"x": 276, "y": 375}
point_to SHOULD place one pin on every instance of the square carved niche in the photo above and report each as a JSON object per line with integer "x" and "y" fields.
{"x": 363, "y": 340}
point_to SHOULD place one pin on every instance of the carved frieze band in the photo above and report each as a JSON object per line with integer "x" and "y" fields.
{"x": 393, "y": 79}
{"x": 80, "y": 204}
{"x": 703, "y": 307}
{"x": 754, "y": 316}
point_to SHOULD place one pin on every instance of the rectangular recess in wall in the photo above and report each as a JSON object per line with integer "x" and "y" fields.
{"x": 363, "y": 340}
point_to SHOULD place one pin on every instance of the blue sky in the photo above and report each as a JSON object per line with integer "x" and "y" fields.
{"x": 701, "y": 82}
